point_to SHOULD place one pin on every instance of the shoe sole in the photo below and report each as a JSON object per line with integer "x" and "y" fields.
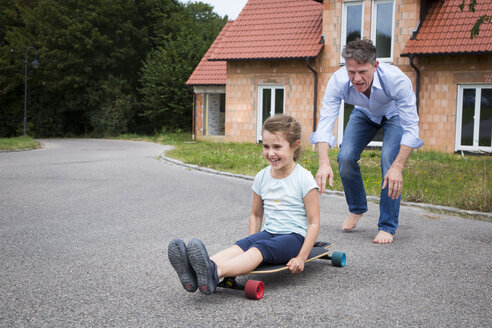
{"x": 199, "y": 260}
{"x": 178, "y": 257}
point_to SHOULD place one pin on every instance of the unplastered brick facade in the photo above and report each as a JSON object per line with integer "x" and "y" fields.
{"x": 406, "y": 20}
{"x": 198, "y": 114}
{"x": 436, "y": 55}
{"x": 244, "y": 77}
{"x": 449, "y": 60}
{"x": 243, "y": 80}
{"x": 438, "y": 95}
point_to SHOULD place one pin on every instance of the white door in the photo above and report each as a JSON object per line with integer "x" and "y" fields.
{"x": 270, "y": 102}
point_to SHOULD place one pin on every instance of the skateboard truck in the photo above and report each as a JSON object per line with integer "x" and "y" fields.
{"x": 231, "y": 283}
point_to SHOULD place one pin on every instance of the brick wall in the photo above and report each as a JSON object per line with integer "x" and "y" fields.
{"x": 440, "y": 77}
{"x": 406, "y": 20}
{"x": 199, "y": 103}
{"x": 243, "y": 79}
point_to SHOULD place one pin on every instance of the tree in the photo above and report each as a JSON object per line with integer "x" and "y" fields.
{"x": 100, "y": 60}
{"x": 92, "y": 50}
{"x": 481, "y": 20}
{"x": 165, "y": 98}
{"x": 11, "y": 68}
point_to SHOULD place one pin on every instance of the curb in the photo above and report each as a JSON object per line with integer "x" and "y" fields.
{"x": 17, "y": 150}
{"x": 205, "y": 169}
{"x": 485, "y": 215}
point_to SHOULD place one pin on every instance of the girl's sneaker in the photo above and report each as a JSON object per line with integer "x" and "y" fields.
{"x": 177, "y": 254}
{"x": 206, "y": 270}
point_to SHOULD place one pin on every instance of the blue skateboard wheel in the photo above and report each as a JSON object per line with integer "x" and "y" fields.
{"x": 338, "y": 259}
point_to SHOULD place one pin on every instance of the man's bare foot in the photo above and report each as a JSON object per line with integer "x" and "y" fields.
{"x": 383, "y": 237}
{"x": 351, "y": 221}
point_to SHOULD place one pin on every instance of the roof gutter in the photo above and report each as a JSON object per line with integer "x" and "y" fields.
{"x": 417, "y": 81}
{"x": 315, "y": 105}
{"x": 260, "y": 58}
{"x": 424, "y": 9}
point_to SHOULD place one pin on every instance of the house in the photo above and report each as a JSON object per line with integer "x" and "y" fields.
{"x": 278, "y": 55}
{"x": 454, "y": 76}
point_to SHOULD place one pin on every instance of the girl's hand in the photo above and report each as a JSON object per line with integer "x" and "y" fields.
{"x": 296, "y": 265}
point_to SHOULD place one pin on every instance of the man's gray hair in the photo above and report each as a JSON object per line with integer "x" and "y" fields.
{"x": 362, "y": 51}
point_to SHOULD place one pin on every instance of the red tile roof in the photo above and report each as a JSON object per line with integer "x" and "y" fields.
{"x": 211, "y": 72}
{"x": 273, "y": 29}
{"x": 446, "y": 30}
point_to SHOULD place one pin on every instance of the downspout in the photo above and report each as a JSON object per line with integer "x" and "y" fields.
{"x": 417, "y": 81}
{"x": 315, "y": 105}
{"x": 193, "y": 117}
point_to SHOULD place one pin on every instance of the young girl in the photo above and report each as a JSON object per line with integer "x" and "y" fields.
{"x": 285, "y": 197}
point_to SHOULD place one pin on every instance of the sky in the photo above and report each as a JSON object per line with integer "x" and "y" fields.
{"x": 231, "y": 8}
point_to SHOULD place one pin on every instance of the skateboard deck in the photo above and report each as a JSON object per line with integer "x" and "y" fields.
{"x": 316, "y": 253}
{"x": 254, "y": 289}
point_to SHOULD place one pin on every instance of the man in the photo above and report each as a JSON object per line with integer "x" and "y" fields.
{"x": 383, "y": 99}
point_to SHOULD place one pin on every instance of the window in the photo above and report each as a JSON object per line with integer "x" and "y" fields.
{"x": 343, "y": 118}
{"x": 474, "y": 118}
{"x": 351, "y": 23}
{"x": 270, "y": 102}
{"x": 382, "y": 29}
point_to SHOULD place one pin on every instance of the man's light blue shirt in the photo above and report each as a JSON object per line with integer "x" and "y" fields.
{"x": 284, "y": 211}
{"x": 391, "y": 94}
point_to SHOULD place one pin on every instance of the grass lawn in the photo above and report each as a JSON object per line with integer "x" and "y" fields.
{"x": 18, "y": 143}
{"x": 429, "y": 177}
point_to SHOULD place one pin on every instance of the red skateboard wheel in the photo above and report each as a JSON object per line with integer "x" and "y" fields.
{"x": 254, "y": 289}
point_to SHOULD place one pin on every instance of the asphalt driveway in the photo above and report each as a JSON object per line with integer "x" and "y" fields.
{"x": 84, "y": 228}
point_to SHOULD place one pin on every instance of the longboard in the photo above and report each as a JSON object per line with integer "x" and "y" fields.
{"x": 316, "y": 253}
{"x": 255, "y": 289}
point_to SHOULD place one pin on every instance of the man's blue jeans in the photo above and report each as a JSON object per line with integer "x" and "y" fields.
{"x": 359, "y": 132}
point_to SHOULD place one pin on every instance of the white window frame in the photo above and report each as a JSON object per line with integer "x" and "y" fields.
{"x": 374, "y": 25}
{"x": 340, "y": 125}
{"x": 259, "y": 112}
{"x": 476, "y": 118}
{"x": 343, "y": 30}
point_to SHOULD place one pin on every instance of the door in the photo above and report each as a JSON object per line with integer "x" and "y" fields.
{"x": 271, "y": 101}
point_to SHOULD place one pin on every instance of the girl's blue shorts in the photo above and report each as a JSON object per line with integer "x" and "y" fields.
{"x": 276, "y": 249}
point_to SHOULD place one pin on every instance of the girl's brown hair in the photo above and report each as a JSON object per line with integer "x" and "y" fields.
{"x": 288, "y": 126}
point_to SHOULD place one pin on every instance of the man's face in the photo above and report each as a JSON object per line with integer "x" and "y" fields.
{"x": 361, "y": 75}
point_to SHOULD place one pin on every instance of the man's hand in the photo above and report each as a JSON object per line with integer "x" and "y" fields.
{"x": 324, "y": 170}
{"x": 324, "y": 173}
{"x": 394, "y": 180}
